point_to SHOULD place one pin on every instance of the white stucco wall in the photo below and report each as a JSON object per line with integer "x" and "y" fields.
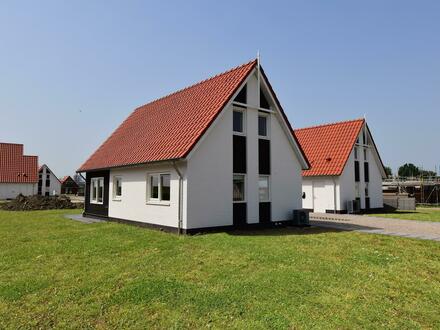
{"x": 133, "y": 205}
{"x": 12, "y": 190}
{"x": 286, "y": 183}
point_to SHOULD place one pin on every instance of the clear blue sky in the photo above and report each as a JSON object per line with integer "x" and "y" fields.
{"x": 70, "y": 72}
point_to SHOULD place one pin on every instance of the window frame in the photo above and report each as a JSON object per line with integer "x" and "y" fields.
{"x": 158, "y": 200}
{"x": 97, "y": 179}
{"x": 267, "y": 117}
{"x": 117, "y": 197}
{"x": 269, "y": 190}
{"x": 244, "y": 188}
{"x": 243, "y": 113}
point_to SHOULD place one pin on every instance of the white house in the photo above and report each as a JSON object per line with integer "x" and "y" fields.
{"x": 346, "y": 169}
{"x": 218, "y": 154}
{"x": 48, "y": 182}
{"x": 18, "y": 172}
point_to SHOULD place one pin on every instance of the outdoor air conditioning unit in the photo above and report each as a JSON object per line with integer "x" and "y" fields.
{"x": 301, "y": 218}
{"x": 356, "y": 206}
{"x": 350, "y": 207}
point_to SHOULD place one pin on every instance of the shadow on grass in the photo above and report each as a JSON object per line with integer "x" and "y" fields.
{"x": 283, "y": 231}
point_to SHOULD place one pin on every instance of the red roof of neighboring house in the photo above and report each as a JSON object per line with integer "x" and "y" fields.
{"x": 168, "y": 128}
{"x": 328, "y": 147}
{"x": 64, "y": 178}
{"x": 16, "y": 167}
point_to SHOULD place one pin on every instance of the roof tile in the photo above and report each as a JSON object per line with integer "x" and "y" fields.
{"x": 328, "y": 147}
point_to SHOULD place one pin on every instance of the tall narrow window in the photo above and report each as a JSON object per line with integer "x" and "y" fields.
{"x": 366, "y": 172}
{"x": 263, "y": 188}
{"x": 117, "y": 187}
{"x": 238, "y": 121}
{"x": 262, "y": 126}
{"x": 365, "y": 154}
{"x": 159, "y": 187}
{"x": 238, "y": 188}
{"x": 355, "y": 153}
{"x": 356, "y": 172}
{"x": 96, "y": 190}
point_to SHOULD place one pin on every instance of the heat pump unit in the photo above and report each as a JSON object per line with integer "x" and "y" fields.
{"x": 301, "y": 218}
{"x": 350, "y": 207}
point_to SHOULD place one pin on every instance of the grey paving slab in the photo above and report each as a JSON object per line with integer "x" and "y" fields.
{"x": 376, "y": 225}
{"x": 80, "y": 218}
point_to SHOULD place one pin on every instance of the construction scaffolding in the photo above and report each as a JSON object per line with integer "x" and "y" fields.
{"x": 424, "y": 190}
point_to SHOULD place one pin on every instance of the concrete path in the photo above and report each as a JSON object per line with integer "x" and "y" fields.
{"x": 376, "y": 225}
{"x": 80, "y": 218}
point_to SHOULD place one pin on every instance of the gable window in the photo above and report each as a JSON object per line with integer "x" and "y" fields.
{"x": 159, "y": 187}
{"x": 262, "y": 126}
{"x": 263, "y": 188}
{"x": 242, "y": 95}
{"x": 238, "y": 121}
{"x": 357, "y": 175}
{"x": 365, "y": 154}
{"x": 97, "y": 190}
{"x": 355, "y": 153}
{"x": 238, "y": 188}
{"x": 117, "y": 187}
{"x": 264, "y": 103}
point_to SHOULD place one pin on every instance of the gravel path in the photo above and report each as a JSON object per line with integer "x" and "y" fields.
{"x": 394, "y": 227}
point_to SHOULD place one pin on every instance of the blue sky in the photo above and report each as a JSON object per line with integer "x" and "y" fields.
{"x": 70, "y": 72}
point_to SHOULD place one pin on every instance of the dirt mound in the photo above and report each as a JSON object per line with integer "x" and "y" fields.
{"x": 23, "y": 203}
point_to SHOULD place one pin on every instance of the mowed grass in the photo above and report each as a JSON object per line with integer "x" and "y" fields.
{"x": 421, "y": 214}
{"x": 58, "y": 273}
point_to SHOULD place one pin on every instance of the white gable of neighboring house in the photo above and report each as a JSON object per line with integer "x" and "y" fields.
{"x": 327, "y": 193}
{"x": 48, "y": 182}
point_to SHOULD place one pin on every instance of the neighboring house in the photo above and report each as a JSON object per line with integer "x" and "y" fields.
{"x": 345, "y": 167}
{"x": 48, "y": 182}
{"x": 18, "y": 172}
{"x": 69, "y": 186}
{"x": 218, "y": 154}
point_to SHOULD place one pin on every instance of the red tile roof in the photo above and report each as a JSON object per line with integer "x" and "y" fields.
{"x": 168, "y": 128}
{"x": 328, "y": 147}
{"x": 15, "y": 167}
{"x": 64, "y": 179}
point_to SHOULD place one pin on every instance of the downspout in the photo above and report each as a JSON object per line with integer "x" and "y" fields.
{"x": 334, "y": 195}
{"x": 180, "y": 199}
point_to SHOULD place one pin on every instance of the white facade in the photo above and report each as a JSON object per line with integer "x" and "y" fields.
{"x": 12, "y": 190}
{"x": 206, "y": 198}
{"x": 327, "y": 193}
{"x": 48, "y": 183}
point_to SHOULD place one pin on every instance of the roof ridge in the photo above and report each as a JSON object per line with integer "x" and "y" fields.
{"x": 197, "y": 83}
{"x": 329, "y": 124}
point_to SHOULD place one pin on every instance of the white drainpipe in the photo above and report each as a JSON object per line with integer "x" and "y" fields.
{"x": 180, "y": 199}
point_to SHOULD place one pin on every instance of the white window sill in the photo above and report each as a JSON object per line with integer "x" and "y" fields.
{"x": 159, "y": 203}
{"x": 97, "y": 203}
{"x": 117, "y": 199}
{"x": 239, "y": 133}
{"x": 238, "y": 201}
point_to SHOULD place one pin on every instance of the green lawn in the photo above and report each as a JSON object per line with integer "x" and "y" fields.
{"x": 58, "y": 273}
{"x": 421, "y": 214}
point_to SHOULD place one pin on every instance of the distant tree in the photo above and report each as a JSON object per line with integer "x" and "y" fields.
{"x": 388, "y": 171}
{"x": 408, "y": 170}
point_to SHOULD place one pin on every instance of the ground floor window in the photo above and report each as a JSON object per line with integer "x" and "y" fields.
{"x": 263, "y": 188}
{"x": 238, "y": 192}
{"x": 159, "y": 187}
{"x": 117, "y": 187}
{"x": 97, "y": 190}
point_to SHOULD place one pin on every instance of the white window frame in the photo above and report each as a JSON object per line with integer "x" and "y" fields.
{"x": 267, "y": 116}
{"x": 92, "y": 181}
{"x": 158, "y": 200}
{"x": 115, "y": 196}
{"x": 268, "y": 188}
{"x": 243, "y": 112}
{"x": 244, "y": 187}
